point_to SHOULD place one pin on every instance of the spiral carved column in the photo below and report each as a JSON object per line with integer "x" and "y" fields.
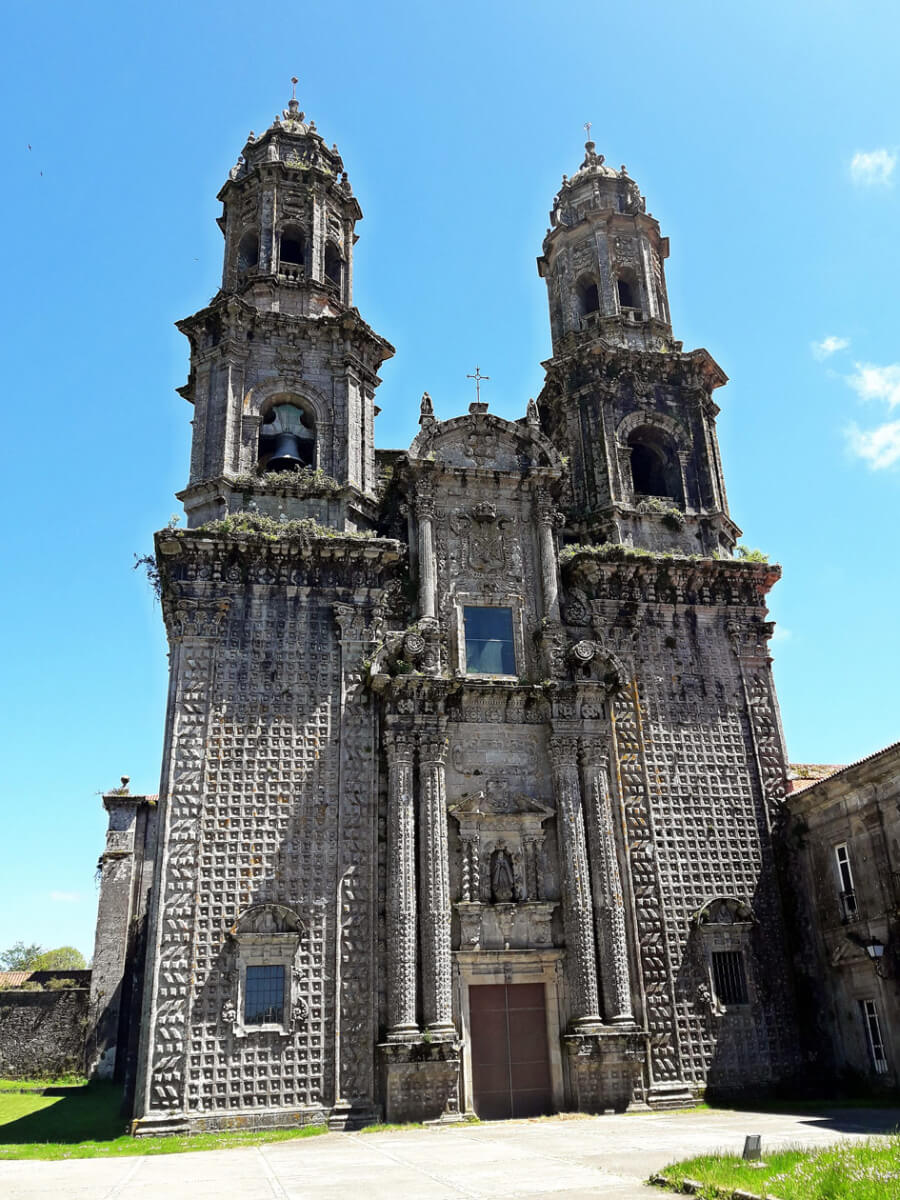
{"x": 577, "y": 901}
{"x": 401, "y": 907}
{"x": 434, "y": 876}
{"x": 609, "y": 903}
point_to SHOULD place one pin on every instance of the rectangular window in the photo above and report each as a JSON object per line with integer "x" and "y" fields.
{"x": 849, "y": 907}
{"x": 489, "y": 641}
{"x": 264, "y": 996}
{"x": 873, "y": 1035}
{"x": 729, "y": 978}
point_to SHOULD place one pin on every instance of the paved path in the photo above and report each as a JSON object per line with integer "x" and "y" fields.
{"x": 587, "y": 1158}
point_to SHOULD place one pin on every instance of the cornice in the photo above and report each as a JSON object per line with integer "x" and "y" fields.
{"x": 618, "y": 574}
{"x": 692, "y": 368}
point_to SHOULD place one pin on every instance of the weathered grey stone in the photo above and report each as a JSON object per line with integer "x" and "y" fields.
{"x": 42, "y": 1033}
{"x": 584, "y": 817}
{"x": 849, "y": 999}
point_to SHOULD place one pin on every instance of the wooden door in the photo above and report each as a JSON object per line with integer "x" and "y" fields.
{"x": 510, "y": 1059}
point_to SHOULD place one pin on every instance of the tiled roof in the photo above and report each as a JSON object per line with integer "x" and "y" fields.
{"x": 804, "y": 775}
{"x": 11, "y": 979}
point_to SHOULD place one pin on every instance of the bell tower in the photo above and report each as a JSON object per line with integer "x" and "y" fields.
{"x": 632, "y": 411}
{"x": 283, "y": 368}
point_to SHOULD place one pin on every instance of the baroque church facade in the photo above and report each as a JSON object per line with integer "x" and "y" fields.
{"x": 472, "y": 755}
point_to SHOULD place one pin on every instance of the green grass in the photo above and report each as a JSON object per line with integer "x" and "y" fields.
{"x": 86, "y": 1122}
{"x": 36, "y": 1085}
{"x": 867, "y": 1170}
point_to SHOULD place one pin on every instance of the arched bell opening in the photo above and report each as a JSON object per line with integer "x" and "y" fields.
{"x": 587, "y": 295}
{"x": 628, "y": 292}
{"x": 292, "y": 247}
{"x": 287, "y": 438}
{"x": 655, "y": 468}
{"x": 334, "y": 265}
{"x": 248, "y": 251}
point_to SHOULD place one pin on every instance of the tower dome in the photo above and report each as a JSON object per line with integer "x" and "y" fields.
{"x": 603, "y": 260}
{"x": 289, "y": 217}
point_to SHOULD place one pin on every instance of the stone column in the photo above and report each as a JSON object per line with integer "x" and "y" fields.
{"x": 401, "y": 888}
{"x": 609, "y": 903}
{"x": 434, "y": 880}
{"x": 550, "y": 583}
{"x": 471, "y": 868}
{"x": 576, "y": 884}
{"x": 427, "y": 571}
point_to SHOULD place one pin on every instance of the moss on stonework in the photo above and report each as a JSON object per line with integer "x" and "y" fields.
{"x": 304, "y": 481}
{"x": 254, "y": 526}
{"x": 617, "y": 552}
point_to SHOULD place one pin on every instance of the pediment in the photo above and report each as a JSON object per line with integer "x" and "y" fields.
{"x": 483, "y": 441}
{"x": 499, "y": 803}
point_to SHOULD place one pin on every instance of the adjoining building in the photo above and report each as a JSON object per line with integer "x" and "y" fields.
{"x": 844, "y": 839}
{"x": 472, "y": 756}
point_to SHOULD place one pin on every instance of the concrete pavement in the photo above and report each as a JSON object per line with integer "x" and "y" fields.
{"x": 601, "y": 1158}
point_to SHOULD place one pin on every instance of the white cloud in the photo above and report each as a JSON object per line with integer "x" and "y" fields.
{"x": 66, "y": 897}
{"x": 878, "y": 447}
{"x": 781, "y": 634}
{"x": 872, "y": 167}
{"x": 877, "y": 383}
{"x": 828, "y": 346}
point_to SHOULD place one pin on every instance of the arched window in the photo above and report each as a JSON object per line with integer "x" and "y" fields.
{"x": 334, "y": 265}
{"x": 292, "y": 247}
{"x": 287, "y": 438}
{"x": 627, "y": 292}
{"x": 588, "y": 296}
{"x": 655, "y": 469}
{"x": 248, "y": 250}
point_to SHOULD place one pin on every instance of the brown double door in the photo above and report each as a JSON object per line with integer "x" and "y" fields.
{"x": 510, "y": 1060}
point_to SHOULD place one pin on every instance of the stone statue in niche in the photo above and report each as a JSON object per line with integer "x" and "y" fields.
{"x": 503, "y": 880}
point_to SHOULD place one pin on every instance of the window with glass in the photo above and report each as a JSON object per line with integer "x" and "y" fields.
{"x": 849, "y": 907}
{"x": 729, "y": 977}
{"x": 869, "y": 1014}
{"x": 489, "y": 641}
{"x": 264, "y": 996}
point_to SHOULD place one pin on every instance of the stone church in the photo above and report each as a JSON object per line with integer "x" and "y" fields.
{"x": 472, "y": 754}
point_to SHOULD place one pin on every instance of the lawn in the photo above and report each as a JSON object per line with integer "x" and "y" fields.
{"x": 85, "y": 1121}
{"x": 867, "y": 1170}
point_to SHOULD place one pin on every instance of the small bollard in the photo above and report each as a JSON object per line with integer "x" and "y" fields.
{"x": 752, "y": 1147}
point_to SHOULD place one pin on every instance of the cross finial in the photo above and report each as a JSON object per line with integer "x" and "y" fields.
{"x": 587, "y": 127}
{"x": 294, "y": 82}
{"x": 478, "y": 377}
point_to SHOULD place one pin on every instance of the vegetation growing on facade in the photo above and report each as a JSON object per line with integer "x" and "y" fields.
{"x": 303, "y": 481}
{"x": 255, "y": 526}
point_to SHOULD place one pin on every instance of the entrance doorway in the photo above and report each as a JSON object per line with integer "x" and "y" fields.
{"x": 510, "y": 1059}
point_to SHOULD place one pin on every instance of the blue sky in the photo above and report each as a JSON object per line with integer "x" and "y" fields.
{"x": 765, "y": 138}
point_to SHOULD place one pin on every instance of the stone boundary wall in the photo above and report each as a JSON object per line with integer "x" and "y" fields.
{"x": 42, "y": 1033}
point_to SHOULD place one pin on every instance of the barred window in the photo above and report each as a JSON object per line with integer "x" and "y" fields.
{"x": 875, "y": 1041}
{"x": 729, "y": 977}
{"x": 264, "y": 996}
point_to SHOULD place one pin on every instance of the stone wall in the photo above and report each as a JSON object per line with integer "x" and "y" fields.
{"x": 42, "y": 1033}
{"x": 851, "y": 1002}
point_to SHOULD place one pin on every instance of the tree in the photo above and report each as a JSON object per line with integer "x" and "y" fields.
{"x": 20, "y": 957}
{"x": 64, "y": 958}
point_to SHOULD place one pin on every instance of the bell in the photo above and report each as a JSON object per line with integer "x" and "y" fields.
{"x": 285, "y": 454}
